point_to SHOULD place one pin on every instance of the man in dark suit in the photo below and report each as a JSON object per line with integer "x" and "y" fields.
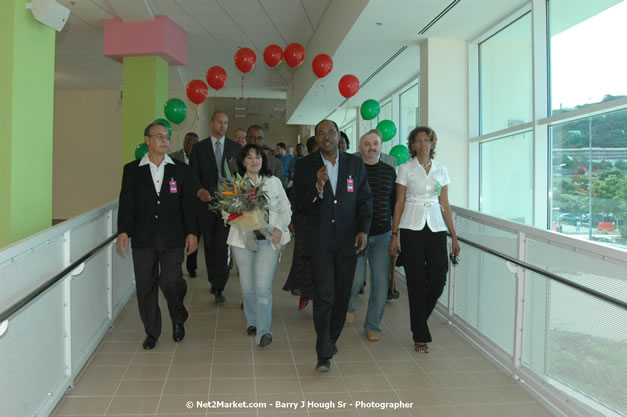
{"x": 157, "y": 214}
{"x": 332, "y": 190}
{"x": 183, "y": 154}
{"x": 207, "y": 172}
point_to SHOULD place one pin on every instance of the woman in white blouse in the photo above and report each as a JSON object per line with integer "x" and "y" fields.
{"x": 257, "y": 268}
{"x": 422, "y": 215}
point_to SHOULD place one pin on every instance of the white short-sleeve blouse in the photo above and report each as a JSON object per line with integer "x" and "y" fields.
{"x": 421, "y": 197}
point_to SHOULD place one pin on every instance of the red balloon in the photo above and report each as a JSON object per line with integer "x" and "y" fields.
{"x": 216, "y": 77}
{"x": 245, "y": 59}
{"x": 348, "y": 85}
{"x": 273, "y": 55}
{"x": 294, "y": 54}
{"x": 197, "y": 91}
{"x": 322, "y": 65}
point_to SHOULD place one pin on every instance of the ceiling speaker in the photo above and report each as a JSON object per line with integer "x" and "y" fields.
{"x": 50, "y": 13}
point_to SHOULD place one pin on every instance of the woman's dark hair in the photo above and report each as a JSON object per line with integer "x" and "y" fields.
{"x": 430, "y": 134}
{"x": 264, "y": 171}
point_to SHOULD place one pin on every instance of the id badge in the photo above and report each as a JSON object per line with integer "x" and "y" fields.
{"x": 350, "y": 185}
{"x": 173, "y": 189}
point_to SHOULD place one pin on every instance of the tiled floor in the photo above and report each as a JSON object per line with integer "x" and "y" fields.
{"x": 217, "y": 361}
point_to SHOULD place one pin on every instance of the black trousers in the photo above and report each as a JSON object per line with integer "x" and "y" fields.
{"x": 156, "y": 267}
{"x": 332, "y": 277}
{"x": 192, "y": 259}
{"x": 216, "y": 250}
{"x": 426, "y": 263}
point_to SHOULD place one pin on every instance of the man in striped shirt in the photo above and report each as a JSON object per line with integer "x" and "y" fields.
{"x": 382, "y": 181}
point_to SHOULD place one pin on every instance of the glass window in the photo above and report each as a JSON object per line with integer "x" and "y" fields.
{"x": 409, "y": 115}
{"x": 506, "y": 178}
{"x": 589, "y": 177}
{"x": 386, "y": 114}
{"x": 505, "y": 77}
{"x": 588, "y": 60}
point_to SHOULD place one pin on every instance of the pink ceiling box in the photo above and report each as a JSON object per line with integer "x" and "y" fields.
{"x": 160, "y": 37}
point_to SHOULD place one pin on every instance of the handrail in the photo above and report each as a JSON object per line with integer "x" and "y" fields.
{"x": 15, "y": 307}
{"x": 594, "y": 293}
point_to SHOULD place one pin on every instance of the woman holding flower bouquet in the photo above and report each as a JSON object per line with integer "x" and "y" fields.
{"x": 254, "y": 203}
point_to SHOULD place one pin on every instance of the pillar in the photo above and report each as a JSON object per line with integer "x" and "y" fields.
{"x": 26, "y": 121}
{"x": 444, "y": 107}
{"x": 145, "y": 90}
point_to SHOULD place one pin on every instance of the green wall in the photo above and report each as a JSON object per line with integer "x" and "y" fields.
{"x": 26, "y": 121}
{"x": 145, "y": 91}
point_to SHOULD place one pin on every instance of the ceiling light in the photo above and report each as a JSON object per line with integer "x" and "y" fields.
{"x": 240, "y": 108}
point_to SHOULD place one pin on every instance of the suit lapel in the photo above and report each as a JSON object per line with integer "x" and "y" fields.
{"x": 146, "y": 177}
{"x": 168, "y": 174}
{"x": 211, "y": 156}
{"x": 342, "y": 174}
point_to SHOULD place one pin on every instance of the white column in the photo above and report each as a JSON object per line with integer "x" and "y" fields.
{"x": 444, "y": 107}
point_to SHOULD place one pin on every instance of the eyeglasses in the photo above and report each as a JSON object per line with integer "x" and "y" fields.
{"x": 330, "y": 133}
{"x": 160, "y": 136}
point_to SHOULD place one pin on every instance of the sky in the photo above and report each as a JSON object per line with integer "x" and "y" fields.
{"x": 577, "y": 76}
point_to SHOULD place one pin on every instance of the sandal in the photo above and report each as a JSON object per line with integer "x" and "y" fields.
{"x": 421, "y": 347}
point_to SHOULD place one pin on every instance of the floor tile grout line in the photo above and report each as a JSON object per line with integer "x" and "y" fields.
{"x": 377, "y": 364}
{"x": 123, "y": 374}
{"x": 165, "y": 382}
{"x": 289, "y": 344}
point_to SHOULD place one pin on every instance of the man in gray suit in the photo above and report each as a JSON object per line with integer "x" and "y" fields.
{"x": 184, "y": 153}
{"x": 256, "y": 136}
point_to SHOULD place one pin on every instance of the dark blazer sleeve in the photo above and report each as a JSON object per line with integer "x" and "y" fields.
{"x": 364, "y": 201}
{"x": 305, "y": 184}
{"x": 194, "y": 182}
{"x": 126, "y": 207}
{"x": 188, "y": 201}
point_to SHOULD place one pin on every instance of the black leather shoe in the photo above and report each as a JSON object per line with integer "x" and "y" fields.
{"x": 323, "y": 365}
{"x": 220, "y": 298}
{"x": 251, "y": 330}
{"x": 193, "y": 274}
{"x": 149, "y": 342}
{"x": 266, "y": 339}
{"x": 178, "y": 332}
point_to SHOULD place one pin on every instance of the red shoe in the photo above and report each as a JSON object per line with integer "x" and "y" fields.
{"x": 302, "y": 303}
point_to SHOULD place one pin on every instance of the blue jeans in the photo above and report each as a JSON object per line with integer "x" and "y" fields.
{"x": 256, "y": 273}
{"x": 377, "y": 255}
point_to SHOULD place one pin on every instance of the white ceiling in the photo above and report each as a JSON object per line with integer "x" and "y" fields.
{"x": 360, "y": 36}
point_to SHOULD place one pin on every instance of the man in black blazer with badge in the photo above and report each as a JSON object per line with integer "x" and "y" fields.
{"x": 206, "y": 166}
{"x": 157, "y": 214}
{"x": 332, "y": 190}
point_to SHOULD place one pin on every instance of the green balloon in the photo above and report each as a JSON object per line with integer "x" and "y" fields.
{"x": 401, "y": 153}
{"x": 141, "y": 150}
{"x": 387, "y": 129}
{"x": 175, "y": 110}
{"x": 166, "y": 123}
{"x": 370, "y": 109}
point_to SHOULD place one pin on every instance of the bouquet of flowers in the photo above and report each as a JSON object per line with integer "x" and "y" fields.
{"x": 243, "y": 205}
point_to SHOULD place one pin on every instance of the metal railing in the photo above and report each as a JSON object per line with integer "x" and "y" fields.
{"x": 547, "y": 307}
{"x": 61, "y": 291}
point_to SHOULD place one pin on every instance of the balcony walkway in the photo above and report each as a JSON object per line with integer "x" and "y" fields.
{"x": 218, "y": 361}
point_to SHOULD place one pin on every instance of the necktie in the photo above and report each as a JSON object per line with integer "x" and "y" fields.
{"x": 219, "y": 161}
